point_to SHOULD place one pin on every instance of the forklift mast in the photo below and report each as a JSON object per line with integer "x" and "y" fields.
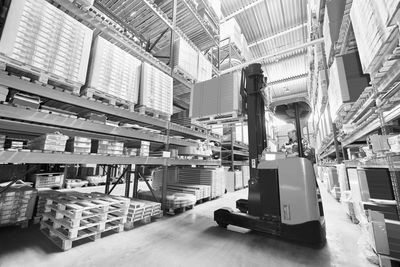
{"x": 254, "y": 107}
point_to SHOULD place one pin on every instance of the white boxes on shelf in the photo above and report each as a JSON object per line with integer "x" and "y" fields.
{"x": 347, "y": 82}
{"x": 40, "y": 35}
{"x": 204, "y": 70}
{"x": 368, "y": 20}
{"x": 333, "y": 16}
{"x": 241, "y": 133}
{"x": 218, "y": 96}
{"x": 230, "y": 29}
{"x": 114, "y": 71}
{"x": 156, "y": 89}
{"x": 394, "y": 143}
{"x": 185, "y": 58}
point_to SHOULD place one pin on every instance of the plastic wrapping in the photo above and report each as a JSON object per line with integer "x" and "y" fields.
{"x": 216, "y": 97}
{"x": 185, "y": 58}
{"x": 368, "y": 20}
{"x": 41, "y": 35}
{"x": 114, "y": 71}
{"x": 156, "y": 89}
{"x": 204, "y": 68}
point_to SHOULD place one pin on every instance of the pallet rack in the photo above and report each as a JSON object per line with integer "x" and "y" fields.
{"x": 375, "y": 108}
{"x": 139, "y": 41}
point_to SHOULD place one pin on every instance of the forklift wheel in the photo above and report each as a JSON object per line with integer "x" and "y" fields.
{"x": 222, "y": 225}
{"x": 243, "y": 210}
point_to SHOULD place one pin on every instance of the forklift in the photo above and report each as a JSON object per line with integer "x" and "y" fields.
{"x": 283, "y": 197}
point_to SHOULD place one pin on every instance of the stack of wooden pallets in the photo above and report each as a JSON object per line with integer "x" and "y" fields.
{"x": 41, "y": 203}
{"x": 142, "y": 211}
{"x": 175, "y": 202}
{"x": 16, "y": 205}
{"x": 73, "y": 216}
{"x": 201, "y": 192}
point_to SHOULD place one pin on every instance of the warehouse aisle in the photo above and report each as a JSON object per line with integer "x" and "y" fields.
{"x": 189, "y": 239}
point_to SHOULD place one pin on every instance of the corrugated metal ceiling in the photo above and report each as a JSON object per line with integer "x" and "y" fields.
{"x": 266, "y": 19}
{"x": 286, "y": 68}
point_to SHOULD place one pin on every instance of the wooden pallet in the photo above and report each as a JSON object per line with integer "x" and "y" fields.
{"x": 200, "y": 201}
{"x": 58, "y": 237}
{"x": 129, "y": 225}
{"x": 108, "y": 99}
{"x": 74, "y": 216}
{"x": 153, "y": 113}
{"x": 174, "y": 211}
{"x": 230, "y": 117}
{"x": 76, "y": 207}
{"x": 37, "y": 75}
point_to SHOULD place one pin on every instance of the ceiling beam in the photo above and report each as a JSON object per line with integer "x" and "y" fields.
{"x": 242, "y": 9}
{"x": 278, "y": 53}
{"x": 284, "y": 80}
{"x": 277, "y": 35}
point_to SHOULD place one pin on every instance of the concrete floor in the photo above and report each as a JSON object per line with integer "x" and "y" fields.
{"x": 189, "y": 239}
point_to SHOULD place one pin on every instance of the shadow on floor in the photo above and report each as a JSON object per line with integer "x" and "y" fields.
{"x": 264, "y": 243}
{"x": 15, "y": 239}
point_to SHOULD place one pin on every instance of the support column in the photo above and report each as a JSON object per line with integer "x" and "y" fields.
{"x": 108, "y": 180}
{"x": 128, "y": 179}
{"x": 136, "y": 182}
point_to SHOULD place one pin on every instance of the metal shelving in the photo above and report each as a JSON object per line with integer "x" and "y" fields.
{"x": 81, "y": 126}
{"x": 142, "y": 37}
{"x": 191, "y": 24}
{"x": 114, "y": 113}
{"x": 32, "y": 157}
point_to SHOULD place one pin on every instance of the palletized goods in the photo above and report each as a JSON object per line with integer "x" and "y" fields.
{"x": 40, "y": 35}
{"x": 79, "y": 145}
{"x": 204, "y": 70}
{"x": 185, "y": 58}
{"x": 156, "y": 89}
{"x": 369, "y": 18}
{"x": 114, "y": 71}
{"x": 17, "y": 204}
{"x": 218, "y": 96}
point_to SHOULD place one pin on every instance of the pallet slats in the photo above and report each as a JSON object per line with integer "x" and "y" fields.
{"x": 73, "y": 216}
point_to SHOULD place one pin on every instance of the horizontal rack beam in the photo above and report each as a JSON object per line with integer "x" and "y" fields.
{"x": 30, "y": 157}
{"x": 83, "y": 102}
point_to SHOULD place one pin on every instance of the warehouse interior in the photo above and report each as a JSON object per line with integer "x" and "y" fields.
{"x": 199, "y": 132}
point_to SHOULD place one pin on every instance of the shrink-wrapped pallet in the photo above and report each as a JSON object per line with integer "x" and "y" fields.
{"x": 241, "y": 133}
{"x": 114, "y": 71}
{"x": 158, "y": 175}
{"x": 40, "y": 35}
{"x": 333, "y": 17}
{"x": 347, "y": 82}
{"x": 238, "y": 180}
{"x": 185, "y": 58}
{"x": 218, "y": 96}
{"x": 17, "y": 204}
{"x": 245, "y": 47}
{"x": 246, "y": 175}
{"x": 156, "y": 89}
{"x": 204, "y": 69}
{"x": 215, "y": 178}
{"x": 231, "y": 29}
{"x": 371, "y": 33}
